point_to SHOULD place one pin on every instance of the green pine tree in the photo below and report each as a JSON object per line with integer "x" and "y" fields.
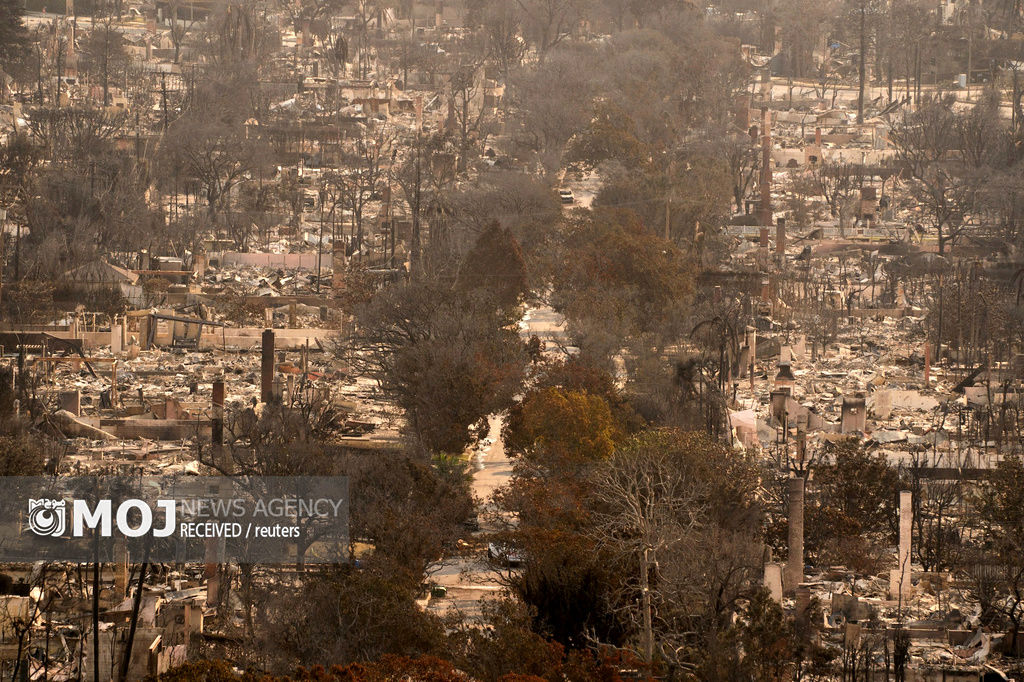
{"x": 13, "y": 36}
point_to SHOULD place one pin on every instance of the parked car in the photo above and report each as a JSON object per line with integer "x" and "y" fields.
{"x": 506, "y": 555}
{"x": 566, "y": 196}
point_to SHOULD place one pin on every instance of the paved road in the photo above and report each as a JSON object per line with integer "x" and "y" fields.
{"x": 544, "y": 323}
{"x": 467, "y": 578}
{"x": 491, "y": 468}
{"x": 584, "y": 189}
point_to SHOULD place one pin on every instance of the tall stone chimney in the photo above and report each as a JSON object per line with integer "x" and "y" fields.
{"x": 854, "y": 415}
{"x": 217, "y": 424}
{"x": 773, "y": 580}
{"x": 751, "y": 333}
{"x": 900, "y": 586}
{"x": 785, "y": 380}
{"x": 267, "y": 367}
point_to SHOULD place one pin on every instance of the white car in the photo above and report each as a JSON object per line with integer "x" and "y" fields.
{"x": 566, "y": 196}
{"x": 505, "y": 555}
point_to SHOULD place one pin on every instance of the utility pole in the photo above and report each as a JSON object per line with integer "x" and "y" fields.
{"x": 133, "y": 623}
{"x": 862, "y": 70}
{"x": 648, "y": 631}
{"x": 163, "y": 93}
{"x": 320, "y": 242}
{"x": 1016, "y": 99}
{"x": 17, "y": 255}
{"x": 3, "y": 251}
{"x": 917, "y": 73}
{"x": 668, "y": 219}
{"x": 106, "y": 63}
{"x": 96, "y": 605}
{"x": 970, "y": 51}
{"x": 414, "y": 251}
{"x": 765, "y": 209}
{"x": 391, "y": 224}
{"x": 60, "y": 65}
{"x": 390, "y": 215}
